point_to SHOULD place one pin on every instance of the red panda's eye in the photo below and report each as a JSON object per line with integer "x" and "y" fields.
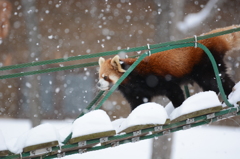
{"x": 105, "y": 77}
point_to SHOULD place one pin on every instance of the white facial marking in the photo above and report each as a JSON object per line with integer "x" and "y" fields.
{"x": 113, "y": 78}
{"x": 104, "y": 85}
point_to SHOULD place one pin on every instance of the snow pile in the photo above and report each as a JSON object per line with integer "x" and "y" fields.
{"x": 169, "y": 108}
{"x": 93, "y": 122}
{"x": 3, "y": 145}
{"x": 117, "y": 123}
{"x": 147, "y": 113}
{"x": 234, "y": 96}
{"x": 41, "y": 134}
{"x": 64, "y": 132}
{"x": 199, "y": 101}
{"x": 16, "y": 145}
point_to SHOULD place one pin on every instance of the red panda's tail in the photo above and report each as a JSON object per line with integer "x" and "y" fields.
{"x": 232, "y": 40}
{"x": 236, "y": 40}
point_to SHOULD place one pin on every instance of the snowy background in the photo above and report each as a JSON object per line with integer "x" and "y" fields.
{"x": 50, "y": 29}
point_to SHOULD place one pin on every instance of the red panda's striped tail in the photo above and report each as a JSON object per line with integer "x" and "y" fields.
{"x": 232, "y": 40}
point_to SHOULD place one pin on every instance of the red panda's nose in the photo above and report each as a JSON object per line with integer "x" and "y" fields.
{"x": 98, "y": 84}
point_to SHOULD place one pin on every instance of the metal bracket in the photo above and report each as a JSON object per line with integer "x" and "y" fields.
{"x": 195, "y": 39}
{"x": 158, "y": 128}
{"x": 114, "y": 144}
{"x": 136, "y": 133}
{"x": 60, "y": 155}
{"x": 185, "y": 127}
{"x": 149, "y": 51}
{"x": 104, "y": 139}
{"x": 210, "y": 116}
{"x": 135, "y": 139}
{"x": 82, "y": 143}
{"x": 166, "y": 132}
{"x": 40, "y": 151}
{"x": 190, "y": 121}
{"x": 81, "y": 151}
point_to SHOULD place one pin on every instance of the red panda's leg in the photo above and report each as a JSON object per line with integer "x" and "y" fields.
{"x": 207, "y": 81}
{"x": 135, "y": 95}
{"x": 203, "y": 74}
{"x": 210, "y": 83}
{"x": 228, "y": 84}
{"x": 175, "y": 94}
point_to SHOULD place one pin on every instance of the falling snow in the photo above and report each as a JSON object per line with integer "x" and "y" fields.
{"x": 59, "y": 29}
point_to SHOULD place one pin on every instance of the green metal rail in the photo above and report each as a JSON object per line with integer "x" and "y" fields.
{"x": 102, "y": 96}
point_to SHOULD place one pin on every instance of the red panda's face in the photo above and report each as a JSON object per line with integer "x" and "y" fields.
{"x": 109, "y": 72}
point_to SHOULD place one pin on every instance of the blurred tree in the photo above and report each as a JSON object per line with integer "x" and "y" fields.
{"x": 5, "y": 14}
{"x": 33, "y": 43}
{"x": 171, "y": 14}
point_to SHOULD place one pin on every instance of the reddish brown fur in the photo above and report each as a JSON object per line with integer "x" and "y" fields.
{"x": 182, "y": 60}
{"x": 107, "y": 69}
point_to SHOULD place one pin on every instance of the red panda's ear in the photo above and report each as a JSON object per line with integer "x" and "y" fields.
{"x": 101, "y": 61}
{"x": 115, "y": 62}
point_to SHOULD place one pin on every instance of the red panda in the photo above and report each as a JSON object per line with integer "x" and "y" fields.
{"x": 162, "y": 73}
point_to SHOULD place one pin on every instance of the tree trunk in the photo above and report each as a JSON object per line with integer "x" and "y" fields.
{"x": 33, "y": 44}
{"x": 172, "y": 13}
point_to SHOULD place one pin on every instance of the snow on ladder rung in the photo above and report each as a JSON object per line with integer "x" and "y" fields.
{"x": 4, "y": 150}
{"x": 87, "y": 127}
{"x": 40, "y": 139}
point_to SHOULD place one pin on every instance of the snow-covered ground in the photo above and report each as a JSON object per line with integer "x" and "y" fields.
{"x": 207, "y": 142}
{"x": 200, "y": 142}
